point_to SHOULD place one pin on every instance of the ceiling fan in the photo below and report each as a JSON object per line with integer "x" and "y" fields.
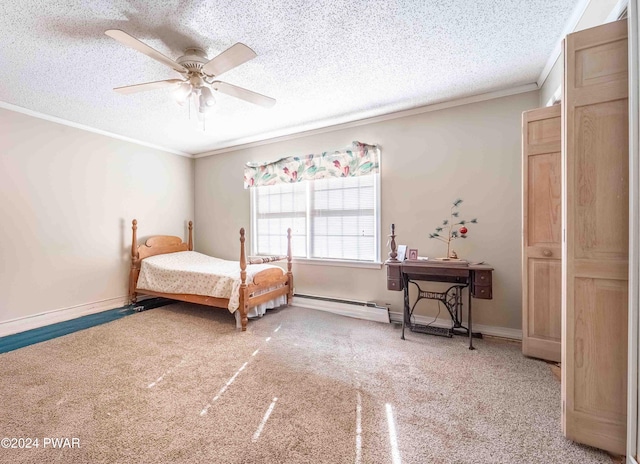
{"x": 198, "y": 73}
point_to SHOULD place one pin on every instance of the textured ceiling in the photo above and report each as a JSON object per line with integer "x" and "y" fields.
{"x": 324, "y": 61}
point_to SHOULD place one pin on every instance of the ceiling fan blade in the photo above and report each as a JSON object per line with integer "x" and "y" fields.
{"x": 134, "y": 43}
{"x": 243, "y": 94}
{"x": 229, "y": 59}
{"x": 147, "y": 86}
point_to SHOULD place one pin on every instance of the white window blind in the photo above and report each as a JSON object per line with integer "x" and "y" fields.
{"x": 333, "y": 218}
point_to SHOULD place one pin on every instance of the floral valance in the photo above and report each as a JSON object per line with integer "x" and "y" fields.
{"x": 361, "y": 159}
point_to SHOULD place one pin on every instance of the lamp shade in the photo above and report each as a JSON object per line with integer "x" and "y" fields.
{"x": 182, "y": 93}
{"x": 206, "y": 97}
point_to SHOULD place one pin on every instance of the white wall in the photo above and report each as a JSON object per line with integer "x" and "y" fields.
{"x": 67, "y": 200}
{"x": 428, "y": 160}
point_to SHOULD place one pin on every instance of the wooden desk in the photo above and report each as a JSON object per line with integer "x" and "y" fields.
{"x": 477, "y": 277}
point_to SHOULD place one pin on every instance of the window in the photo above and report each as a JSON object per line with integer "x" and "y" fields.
{"x": 336, "y": 218}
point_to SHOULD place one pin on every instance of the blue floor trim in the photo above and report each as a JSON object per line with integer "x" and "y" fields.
{"x": 41, "y": 334}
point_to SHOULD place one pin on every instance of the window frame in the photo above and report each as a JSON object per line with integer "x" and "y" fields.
{"x": 375, "y": 264}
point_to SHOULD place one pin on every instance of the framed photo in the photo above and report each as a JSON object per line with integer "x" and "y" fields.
{"x": 402, "y": 252}
{"x": 413, "y": 253}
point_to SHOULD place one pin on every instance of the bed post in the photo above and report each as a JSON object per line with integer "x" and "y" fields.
{"x": 135, "y": 263}
{"x": 289, "y": 273}
{"x": 190, "y": 235}
{"x": 244, "y": 297}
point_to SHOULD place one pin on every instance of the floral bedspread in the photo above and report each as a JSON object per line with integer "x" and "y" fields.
{"x": 193, "y": 273}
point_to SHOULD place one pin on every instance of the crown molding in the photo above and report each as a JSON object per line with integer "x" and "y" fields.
{"x": 295, "y": 134}
{"x": 65, "y": 122}
{"x": 569, "y": 27}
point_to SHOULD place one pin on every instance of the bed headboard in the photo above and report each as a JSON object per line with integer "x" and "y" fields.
{"x": 156, "y": 245}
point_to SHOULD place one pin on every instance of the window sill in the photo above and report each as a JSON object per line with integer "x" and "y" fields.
{"x": 338, "y": 263}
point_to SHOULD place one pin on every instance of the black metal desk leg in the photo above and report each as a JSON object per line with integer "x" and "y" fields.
{"x": 404, "y": 312}
{"x": 405, "y": 308}
{"x": 470, "y": 326}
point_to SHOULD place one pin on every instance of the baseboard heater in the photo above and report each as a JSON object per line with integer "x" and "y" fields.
{"x": 359, "y": 309}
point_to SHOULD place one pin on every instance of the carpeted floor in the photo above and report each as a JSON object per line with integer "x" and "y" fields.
{"x": 179, "y": 384}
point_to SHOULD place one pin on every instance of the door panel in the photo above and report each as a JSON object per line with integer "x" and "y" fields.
{"x": 542, "y": 219}
{"x": 545, "y": 197}
{"x": 602, "y": 180}
{"x": 601, "y": 64}
{"x": 597, "y": 347}
{"x": 595, "y": 252}
{"x": 545, "y": 279}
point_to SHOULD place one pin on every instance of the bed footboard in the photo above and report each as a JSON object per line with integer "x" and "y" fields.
{"x": 263, "y": 280}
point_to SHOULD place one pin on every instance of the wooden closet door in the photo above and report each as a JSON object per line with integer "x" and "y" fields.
{"x": 542, "y": 227}
{"x": 595, "y": 268}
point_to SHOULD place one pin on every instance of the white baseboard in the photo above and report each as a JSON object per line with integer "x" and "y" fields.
{"x": 357, "y": 311}
{"x": 22, "y": 324}
{"x": 494, "y": 331}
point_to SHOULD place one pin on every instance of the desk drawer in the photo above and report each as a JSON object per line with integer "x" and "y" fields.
{"x": 463, "y": 272}
{"x": 482, "y": 277}
{"x": 394, "y": 277}
{"x": 393, "y": 272}
{"x": 394, "y": 284}
{"x": 482, "y": 292}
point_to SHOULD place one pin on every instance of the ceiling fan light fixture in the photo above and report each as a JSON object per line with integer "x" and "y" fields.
{"x": 206, "y": 97}
{"x": 204, "y": 112}
{"x": 182, "y": 93}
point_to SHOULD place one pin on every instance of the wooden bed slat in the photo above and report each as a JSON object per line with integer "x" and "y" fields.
{"x": 198, "y": 299}
{"x": 264, "y": 297}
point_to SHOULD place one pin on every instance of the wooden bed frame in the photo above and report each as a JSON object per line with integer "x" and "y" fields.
{"x": 161, "y": 244}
